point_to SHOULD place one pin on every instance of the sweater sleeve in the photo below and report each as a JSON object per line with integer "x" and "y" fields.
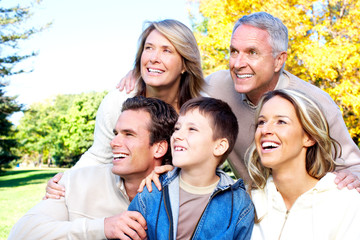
{"x": 106, "y": 118}
{"x": 49, "y": 220}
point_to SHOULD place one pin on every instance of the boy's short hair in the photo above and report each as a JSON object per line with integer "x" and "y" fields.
{"x": 221, "y": 118}
{"x": 163, "y": 118}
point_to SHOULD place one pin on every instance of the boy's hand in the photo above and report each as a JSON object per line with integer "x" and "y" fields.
{"x": 154, "y": 177}
{"x": 345, "y": 178}
{"x": 53, "y": 189}
{"x": 127, "y": 225}
{"x": 127, "y": 82}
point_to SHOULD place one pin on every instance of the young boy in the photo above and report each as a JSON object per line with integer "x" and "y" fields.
{"x": 199, "y": 201}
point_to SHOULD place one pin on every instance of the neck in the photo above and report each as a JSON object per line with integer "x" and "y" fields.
{"x": 292, "y": 184}
{"x": 255, "y": 95}
{"x": 131, "y": 187}
{"x": 167, "y": 95}
{"x": 200, "y": 178}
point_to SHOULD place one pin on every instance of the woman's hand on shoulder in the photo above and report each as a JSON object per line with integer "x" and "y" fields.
{"x": 127, "y": 82}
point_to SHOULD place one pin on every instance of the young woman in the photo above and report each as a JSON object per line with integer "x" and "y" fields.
{"x": 167, "y": 66}
{"x": 293, "y": 191}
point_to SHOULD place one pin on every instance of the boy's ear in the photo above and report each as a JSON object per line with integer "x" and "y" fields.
{"x": 160, "y": 149}
{"x": 221, "y": 147}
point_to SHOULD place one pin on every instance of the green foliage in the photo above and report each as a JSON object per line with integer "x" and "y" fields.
{"x": 11, "y": 32}
{"x": 20, "y": 190}
{"x": 324, "y": 46}
{"x": 60, "y": 129}
{"x": 8, "y": 143}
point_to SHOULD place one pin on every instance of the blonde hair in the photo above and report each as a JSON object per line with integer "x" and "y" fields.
{"x": 192, "y": 80}
{"x": 319, "y": 157}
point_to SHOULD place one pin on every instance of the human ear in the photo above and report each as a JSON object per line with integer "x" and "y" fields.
{"x": 221, "y": 147}
{"x": 160, "y": 149}
{"x": 308, "y": 141}
{"x": 280, "y": 61}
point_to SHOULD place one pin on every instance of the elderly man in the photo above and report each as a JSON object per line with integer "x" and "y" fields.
{"x": 97, "y": 197}
{"x": 257, "y": 57}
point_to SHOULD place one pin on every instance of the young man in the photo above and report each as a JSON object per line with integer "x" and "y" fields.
{"x": 199, "y": 201}
{"x": 97, "y": 197}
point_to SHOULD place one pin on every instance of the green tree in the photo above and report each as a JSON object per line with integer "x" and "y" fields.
{"x": 10, "y": 35}
{"x": 324, "y": 46}
{"x": 61, "y": 128}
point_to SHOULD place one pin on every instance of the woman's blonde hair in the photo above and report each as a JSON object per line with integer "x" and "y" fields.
{"x": 319, "y": 157}
{"x": 192, "y": 80}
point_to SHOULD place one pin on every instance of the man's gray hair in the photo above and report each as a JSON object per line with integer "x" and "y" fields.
{"x": 274, "y": 26}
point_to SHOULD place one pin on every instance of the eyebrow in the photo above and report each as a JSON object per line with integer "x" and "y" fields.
{"x": 163, "y": 46}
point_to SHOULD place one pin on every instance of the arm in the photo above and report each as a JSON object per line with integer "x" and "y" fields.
{"x": 154, "y": 177}
{"x": 53, "y": 189}
{"x": 106, "y": 117}
{"x": 127, "y": 224}
{"x": 245, "y": 223}
{"x": 127, "y": 82}
{"x": 344, "y": 178}
{"x": 49, "y": 220}
{"x": 347, "y": 176}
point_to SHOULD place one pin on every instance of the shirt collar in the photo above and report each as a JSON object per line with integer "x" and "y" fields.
{"x": 282, "y": 83}
{"x": 121, "y": 186}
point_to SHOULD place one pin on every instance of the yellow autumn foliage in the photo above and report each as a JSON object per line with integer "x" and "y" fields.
{"x": 324, "y": 43}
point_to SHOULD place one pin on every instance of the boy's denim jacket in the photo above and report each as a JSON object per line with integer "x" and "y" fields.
{"x": 228, "y": 215}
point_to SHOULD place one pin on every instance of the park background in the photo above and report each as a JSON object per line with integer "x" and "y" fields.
{"x": 58, "y": 59}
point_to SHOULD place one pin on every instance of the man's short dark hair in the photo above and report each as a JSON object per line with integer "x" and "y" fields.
{"x": 163, "y": 118}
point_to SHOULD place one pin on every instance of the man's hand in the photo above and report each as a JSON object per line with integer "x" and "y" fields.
{"x": 345, "y": 178}
{"x": 127, "y": 225}
{"x": 127, "y": 82}
{"x": 154, "y": 177}
{"x": 53, "y": 189}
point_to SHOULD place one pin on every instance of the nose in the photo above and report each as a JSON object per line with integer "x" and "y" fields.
{"x": 116, "y": 141}
{"x": 240, "y": 60}
{"x": 155, "y": 56}
{"x": 267, "y": 128}
{"x": 177, "y": 135}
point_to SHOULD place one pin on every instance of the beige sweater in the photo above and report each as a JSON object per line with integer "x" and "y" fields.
{"x": 221, "y": 86}
{"x": 92, "y": 193}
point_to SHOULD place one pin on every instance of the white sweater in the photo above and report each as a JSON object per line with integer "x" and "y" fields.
{"x": 323, "y": 212}
{"x": 106, "y": 118}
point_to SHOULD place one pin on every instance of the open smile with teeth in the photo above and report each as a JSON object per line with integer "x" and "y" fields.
{"x": 120, "y": 156}
{"x": 242, "y": 76}
{"x": 154, "y": 70}
{"x": 178, "y": 148}
{"x": 269, "y": 145}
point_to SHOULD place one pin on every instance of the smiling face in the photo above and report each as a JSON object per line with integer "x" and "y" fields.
{"x": 161, "y": 64}
{"x": 280, "y": 139}
{"x": 192, "y": 143}
{"x": 133, "y": 155}
{"x": 253, "y": 68}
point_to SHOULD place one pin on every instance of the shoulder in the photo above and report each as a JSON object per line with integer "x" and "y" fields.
{"x": 114, "y": 99}
{"x": 307, "y": 88}
{"x": 90, "y": 174}
{"x": 217, "y": 76}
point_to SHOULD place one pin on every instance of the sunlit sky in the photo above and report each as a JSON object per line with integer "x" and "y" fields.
{"x": 90, "y": 45}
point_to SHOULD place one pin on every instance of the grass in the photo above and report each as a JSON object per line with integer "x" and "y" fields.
{"x": 20, "y": 190}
